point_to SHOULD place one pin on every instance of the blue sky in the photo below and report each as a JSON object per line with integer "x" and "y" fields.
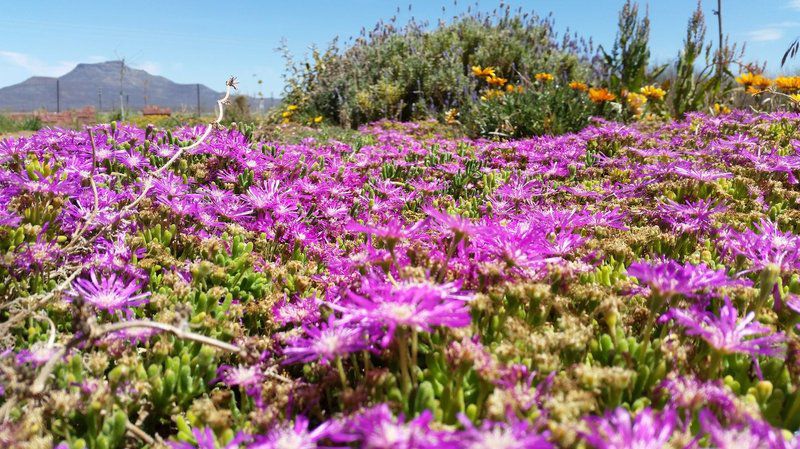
{"x": 205, "y": 41}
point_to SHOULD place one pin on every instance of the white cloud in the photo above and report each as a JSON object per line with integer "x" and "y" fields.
{"x": 793, "y": 4}
{"x": 765, "y": 35}
{"x": 36, "y": 66}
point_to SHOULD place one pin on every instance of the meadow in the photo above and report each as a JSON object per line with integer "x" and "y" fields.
{"x": 574, "y": 253}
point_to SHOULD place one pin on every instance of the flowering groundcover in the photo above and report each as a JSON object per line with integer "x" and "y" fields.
{"x": 614, "y": 288}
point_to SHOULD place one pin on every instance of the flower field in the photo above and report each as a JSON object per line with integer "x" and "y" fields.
{"x": 620, "y": 287}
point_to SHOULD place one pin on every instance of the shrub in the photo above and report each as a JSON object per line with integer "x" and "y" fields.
{"x": 415, "y": 72}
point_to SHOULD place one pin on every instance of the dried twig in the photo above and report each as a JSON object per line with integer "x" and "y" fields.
{"x": 44, "y": 375}
{"x": 136, "y": 431}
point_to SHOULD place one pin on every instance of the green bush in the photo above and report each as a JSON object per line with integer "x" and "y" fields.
{"x": 417, "y": 72}
{"x": 542, "y": 107}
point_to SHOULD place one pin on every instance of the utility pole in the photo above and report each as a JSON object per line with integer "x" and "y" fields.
{"x": 58, "y": 95}
{"x": 720, "y": 56}
{"x": 198, "y": 99}
{"x": 121, "y": 75}
{"x": 99, "y": 99}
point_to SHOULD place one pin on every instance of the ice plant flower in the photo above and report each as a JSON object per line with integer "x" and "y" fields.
{"x": 727, "y": 333}
{"x": 766, "y": 246}
{"x": 416, "y": 306}
{"x": 377, "y": 428}
{"x": 109, "y": 293}
{"x": 324, "y": 343}
{"x": 515, "y": 434}
{"x": 668, "y": 278}
{"x": 691, "y": 217}
{"x": 752, "y": 433}
{"x": 292, "y": 436}
{"x": 616, "y": 430}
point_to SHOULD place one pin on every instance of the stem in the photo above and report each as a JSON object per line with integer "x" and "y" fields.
{"x": 342, "y": 375}
{"x": 714, "y": 364}
{"x": 654, "y": 304}
{"x": 450, "y": 252}
{"x": 402, "y": 349}
{"x": 414, "y": 350}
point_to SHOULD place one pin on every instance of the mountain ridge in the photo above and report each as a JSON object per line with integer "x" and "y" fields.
{"x": 98, "y": 85}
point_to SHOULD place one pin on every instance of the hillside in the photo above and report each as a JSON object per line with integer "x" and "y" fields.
{"x": 98, "y": 85}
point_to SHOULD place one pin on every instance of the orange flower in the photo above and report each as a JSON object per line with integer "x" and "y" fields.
{"x": 496, "y": 81}
{"x": 579, "y": 86}
{"x": 601, "y": 95}
{"x": 789, "y": 84}
{"x": 758, "y": 81}
{"x": 543, "y": 77}
{"x": 483, "y": 72}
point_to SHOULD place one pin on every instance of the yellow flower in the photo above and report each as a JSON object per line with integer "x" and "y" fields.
{"x": 492, "y": 94}
{"x": 285, "y": 121}
{"x": 482, "y": 72}
{"x": 721, "y": 109}
{"x": 760, "y": 82}
{"x": 653, "y": 92}
{"x": 795, "y": 98}
{"x": 318, "y": 119}
{"x": 291, "y": 107}
{"x": 636, "y": 101}
{"x": 286, "y": 114}
{"x": 543, "y": 77}
{"x": 496, "y": 81}
{"x": 789, "y": 84}
{"x": 600, "y": 95}
{"x": 579, "y": 86}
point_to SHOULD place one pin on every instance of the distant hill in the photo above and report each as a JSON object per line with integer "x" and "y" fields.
{"x": 91, "y": 84}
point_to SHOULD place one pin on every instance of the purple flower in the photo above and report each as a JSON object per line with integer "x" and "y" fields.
{"x": 616, "y": 430}
{"x": 324, "y": 343}
{"x": 460, "y": 226}
{"x": 419, "y": 306}
{"x": 768, "y": 246}
{"x": 750, "y": 434}
{"x": 377, "y": 428}
{"x": 299, "y": 311}
{"x": 36, "y": 355}
{"x": 289, "y": 436}
{"x": 392, "y": 231}
{"x": 691, "y": 393}
{"x": 515, "y": 434}
{"x": 240, "y": 375}
{"x": 108, "y": 293}
{"x": 691, "y": 217}
{"x": 727, "y": 333}
{"x": 668, "y": 278}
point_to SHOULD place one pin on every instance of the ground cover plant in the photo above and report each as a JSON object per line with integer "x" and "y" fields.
{"x": 200, "y": 287}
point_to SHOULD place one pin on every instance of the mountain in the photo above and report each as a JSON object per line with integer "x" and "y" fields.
{"x": 96, "y": 84}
